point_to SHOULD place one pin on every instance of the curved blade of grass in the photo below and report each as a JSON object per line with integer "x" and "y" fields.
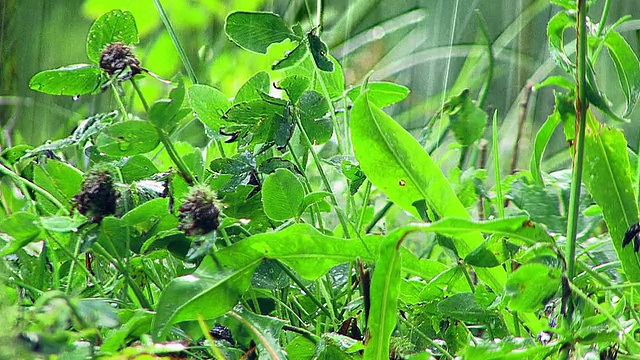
{"x": 627, "y": 66}
{"x": 385, "y": 287}
{"x": 607, "y": 176}
{"x": 398, "y": 165}
{"x": 540, "y": 144}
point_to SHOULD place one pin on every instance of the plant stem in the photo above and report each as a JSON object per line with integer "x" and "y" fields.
{"x": 485, "y": 87}
{"x": 581, "y": 111}
{"x": 183, "y": 56}
{"x": 176, "y": 42}
{"x": 325, "y": 180}
{"x": 116, "y": 95}
{"x": 304, "y": 288}
{"x": 496, "y": 167}
{"x": 603, "y": 18}
{"x": 166, "y": 142}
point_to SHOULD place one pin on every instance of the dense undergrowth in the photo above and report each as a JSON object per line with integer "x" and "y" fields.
{"x": 306, "y": 223}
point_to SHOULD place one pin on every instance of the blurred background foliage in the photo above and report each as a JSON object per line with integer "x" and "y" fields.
{"x": 435, "y": 47}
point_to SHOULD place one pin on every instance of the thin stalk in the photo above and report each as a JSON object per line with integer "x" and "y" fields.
{"x": 72, "y": 267}
{"x": 166, "y": 142}
{"x": 116, "y": 95}
{"x": 19, "y": 179}
{"x": 603, "y": 18}
{"x": 485, "y": 87}
{"x": 496, "y": 167}
{"x": 298, "y": 282}
{"x": 207, "y": 335}
{"x": 183, "y": 55}
{"x": 378, "y": 216}
{"x": 176, "y": 42}
{"x": 325, "y": 180}
{"x": 427, "y": 339}
{"x": 365, "y": 203}
{"x": 118, "y": 264}
{"x": 581, "y": 111}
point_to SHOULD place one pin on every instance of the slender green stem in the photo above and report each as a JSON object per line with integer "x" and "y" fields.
{"x": 378, "y": 216}
{"x": 137, "y": 291}
{"x": 72, "y": 267}
{"x": 496, "y": 167}
{"x": 581, "y": 119}
{"x": 19, "y": 179}
{"x": 319, "y": 11}
{"x": 429, "y": 341}
{"x": 325, "y": 180}
{"x": 166, "y": 142}
{"x": 298, "y": 282}
{"x": 603, "y": 18}
{"x": 176, "y": 42}
{"x": 365, "y": 203}
{"x": 487, "y": 83}
{"x": 116, "y": 96}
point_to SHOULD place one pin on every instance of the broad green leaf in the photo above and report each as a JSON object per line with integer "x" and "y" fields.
{"x": 251, "y": 90}
{"x": 265, "y": 329}
{"x": 70, "y": 80}
{"x": 313, "y": 108}
{"x": 215, "y": 286}
{"x": 61, "y": 180}
{"x": 294, "y": 86}
{"x": 136, "y": 168}
{"x": 559, "y": 81}
{"x": 209, "y": 104}
{"x": 540, "y": 143}
{"x": 331, "y": 83}
{"x": 255, "y": 31}
{"x": 165, "y": 113}
{"x": 13, "y": 154}
{"x": 607, "y": 175}
{"x": 147, "y": 215}
{"x": 291, "y": 58}
{"x": 463, "y": 306}
{"x": 313, "y": 198}
{"x": 128, "y": 138}
{"x": 114, "y": 237}
{"x": 531, "y": 285}
{"x": 282, "y": 195}
{"x": 113, "y": 26}
{"x": 62, "y": 224}
{"x": 467, "y": 120}
{"x": 627, "y": 67}
{"x": 302, "y": 347}
{"x": 319, "y": 52}
{"x": 398, "y": 165}
{"x": 385, "y": 289}
{"x": 381, "y": 93}
{"x": 18, "y": 230}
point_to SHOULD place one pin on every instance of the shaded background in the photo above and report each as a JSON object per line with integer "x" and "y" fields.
{"x": 423, "y": 44}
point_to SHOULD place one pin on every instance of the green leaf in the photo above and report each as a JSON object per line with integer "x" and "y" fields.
{"x": 128, "y": 138}
{"x": 312, "y": 198}
{"x": 385, "y": 289}
{"x": 70, "y": 80}
{"x": 398, "y": 165}
{"x": 61, "y": 180}
{"x": 215, "y": 287}
{"x": 294, "y": 86}
{"x": 255, "y": 31}
{"x": 136, "y": 168}
{"x": 332, "y": 82}
{"x": 62, "y": 224}
{"x": 258, "y": 84}
{"x": 542, "y": 140}
{"x": 313, "y": 107}
{"x": 209, "y": 104}
{"x": 531, "y": 285}
{"x": 319, "y": 52}
{"x": 607, "y": 175}
{"x": 381, "y": 93}
{"x": 282, "y": 195}
{"x": 467, "y": 120}
{"x": 18, "y": 230}
{"x": 291, "y": 58}
{"x": 147, "y": 215}
{"x": 627, "y": 68}
{"x": 114, "y": 237}
{"x": 113, "y": 26}
{"x": 165, "y": 113}
{"x": 463, "y": 306}
{"x": 264, "y": 328}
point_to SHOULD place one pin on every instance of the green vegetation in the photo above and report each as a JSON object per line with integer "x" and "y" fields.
{"x": 267, "y": 198}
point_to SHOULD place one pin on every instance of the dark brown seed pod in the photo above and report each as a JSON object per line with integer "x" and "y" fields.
{"x": 116, "y": 57}
{"x": 199, "y": 214}
{"x": 220, "y": 332}
{"x": 98, "y": 196}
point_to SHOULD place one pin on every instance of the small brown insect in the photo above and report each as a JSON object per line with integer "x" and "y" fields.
{"x": 402, "y": 183}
